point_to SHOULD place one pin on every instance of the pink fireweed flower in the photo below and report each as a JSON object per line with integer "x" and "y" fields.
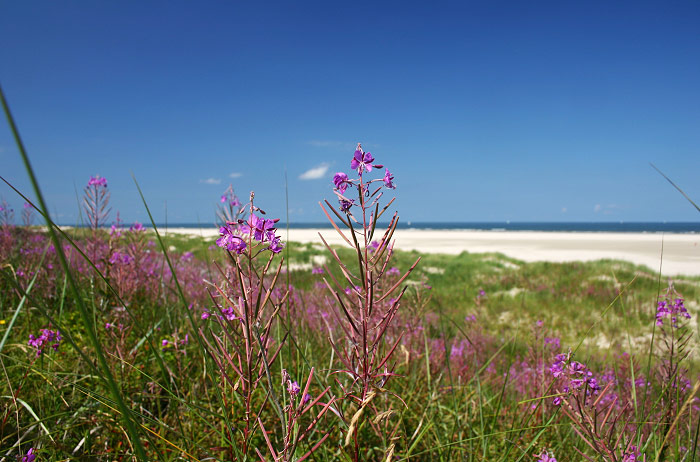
{"x": 115, "y": 231}
{"x": 47, "y": 336}
{"x": 389, "y": 179}
{"x": 340, "y": 180}
{"x": 293, "y": 388}
{"x": 373, "y": 246}
{"x": 261, "y": 227}
{"x": 631, "y": 455}
{"x": 553, "y": 341}
{"x": 27, "y": 205}
{"x": 457, "y": 350}
{"x": 230, "y": 241}
{"x": 346, "y": 204}
{"x": 97, "y": 181}
{"x": 276, "y": 245}
{"x": 234, "y": 202}
{"x": 361, "y": 161}
{"x": 229, "y": 196}
{"x": 317, "y": 271}
{"x": 229, "y": 313}
{"x": 118, "y": 257}
{"x": 136, "y": 227}
{"x": 30, "y": 456}
{"x": 574, "y": 376}
{"x": 545, "y": 456}
{"x": 671, "y": 309}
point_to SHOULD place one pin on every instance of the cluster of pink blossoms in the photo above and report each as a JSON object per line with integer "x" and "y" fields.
{"x": 632, "y": 455}
{"x": 97, "y": 181}
{"x": 671, "y": 309}
{"x": 576, "y": 376}
{"x": 362, "y": 162}
{"x": 263, "y": 230}
{"x": 47, "y": 336}
{"x": 545, "y": 456}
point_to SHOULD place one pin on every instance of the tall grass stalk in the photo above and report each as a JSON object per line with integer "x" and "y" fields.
{"x": 105, "y": 372}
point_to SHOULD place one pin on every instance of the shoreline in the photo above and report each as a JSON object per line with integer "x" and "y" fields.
{"x": 680, "y": 251}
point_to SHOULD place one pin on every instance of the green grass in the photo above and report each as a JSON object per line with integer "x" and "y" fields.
{"x": 446, "y": 417}
{"x": 568, "y": 297}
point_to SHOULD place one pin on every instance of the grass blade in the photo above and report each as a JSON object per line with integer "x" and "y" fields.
{"x": 104, "y": 368}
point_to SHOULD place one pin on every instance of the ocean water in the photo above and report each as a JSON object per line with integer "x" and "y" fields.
{"x": 615, "y": 227}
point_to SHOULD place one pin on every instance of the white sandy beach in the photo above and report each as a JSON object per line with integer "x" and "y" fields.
{"x": 681, "y": 252}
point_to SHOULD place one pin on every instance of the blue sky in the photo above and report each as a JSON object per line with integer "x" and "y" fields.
{"x": 484, "y": 111}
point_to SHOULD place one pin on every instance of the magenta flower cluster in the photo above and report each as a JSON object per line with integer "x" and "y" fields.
{"x": 671, "y": 309}
{"x": 262, "y": 229}
{"x": 120, "y": 257}
{"x": 362, "y": 162}
{"x": 30, "y": 456}
{"x": 575, "y": 375}
{"x": 47, "y": 337}
{"x": 631, "y": 455}
{"x": 230, "y": 241}
{"x": 97, "y": 181}
{"x": 545, "y": 456}
{"x": 231, "y": 199}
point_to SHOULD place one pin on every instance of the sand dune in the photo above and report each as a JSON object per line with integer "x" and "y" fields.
{"x": 681, "y": 252}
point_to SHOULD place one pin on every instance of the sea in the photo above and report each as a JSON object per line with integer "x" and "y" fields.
{"x": 591, "y": 227}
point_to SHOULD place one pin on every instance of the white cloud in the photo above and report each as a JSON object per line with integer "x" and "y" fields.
{"x": 235, "y": 175}
{"x": 609, "y": 209}
{"x": 211, "y": 181}
{"x": 316, "y": 172}
{"x": 563, "y": 210}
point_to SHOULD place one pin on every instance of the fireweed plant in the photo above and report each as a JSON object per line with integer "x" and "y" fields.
{"x": 7, "y": 214}
{"x": 96, "y": 205}
{"x": 675, "y": 333}
{"x": 606, "y": 421}
{"x": 239, "y": 335}
{"x": 366, "y": 308}
{"x": 230, "y": 209}
{"x": 27, "y": 214}
{"x": 96, "y": 202}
